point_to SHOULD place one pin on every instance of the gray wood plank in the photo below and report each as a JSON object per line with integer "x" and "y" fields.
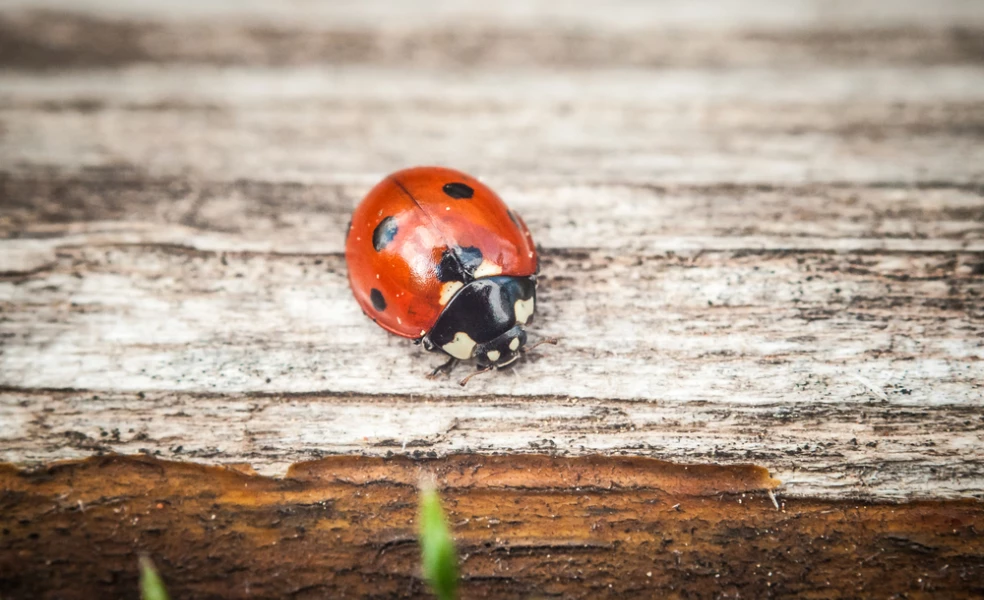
{"x": 746, "y": 327}
{"x": 619, "y": 14}
{"x": 50, "y": 40}
{"x": 314, "y": 124}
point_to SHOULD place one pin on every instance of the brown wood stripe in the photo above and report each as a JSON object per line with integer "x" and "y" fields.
{"x": 75, "y": 530}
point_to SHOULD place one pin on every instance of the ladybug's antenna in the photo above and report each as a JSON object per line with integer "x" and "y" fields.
{"x": 479, "y": 372}
{"x": 551, "y": 341}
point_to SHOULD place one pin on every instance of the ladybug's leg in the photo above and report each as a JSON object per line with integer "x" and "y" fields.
{"x": 478, "y": 372}
{"x": 444, "y": 369}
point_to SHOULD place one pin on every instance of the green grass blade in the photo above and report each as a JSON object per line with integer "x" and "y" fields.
{"x": 151, "y": 586}
{"x": 439, "y": 560}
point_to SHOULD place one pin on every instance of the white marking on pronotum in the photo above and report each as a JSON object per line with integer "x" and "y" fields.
{"x": 448, "y": 290}
{"x": 487, "y": 269}
{"x": 514, "y": 344}
{"x": 523, "y": 308}
{"x": 493, "y": 355}
{"x": 461, "y": 346}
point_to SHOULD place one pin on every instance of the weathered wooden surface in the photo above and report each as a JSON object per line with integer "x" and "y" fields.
{"x": 762, "y": 231}
{"x": 838, "y": 371}
{"x": 345, "y": 528}
{"x": 763, "y": 243}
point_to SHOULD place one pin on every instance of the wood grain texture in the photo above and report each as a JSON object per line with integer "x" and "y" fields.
{"x": 749, "y": 316}
{"x": 761, "y": 222}
{"x": 856, "y": 124}
{"x": 866, "y": 448}
{"x": 47, "y": 39}
{"x": 345, "y": 528}
{"x": 693, "y": 15}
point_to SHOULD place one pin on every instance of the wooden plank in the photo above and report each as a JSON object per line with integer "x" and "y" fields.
{"x": 32, "y": 39}
{"x": 620, "y": 15}
{"x": 758, "y": 323}
{"x": 859, "y": 448}
{"x": 45, "y": 209}
{"x": 315, "y": 124}
{"x": 767, "y": 336}
{"x": 647, "y": 529}
{"x": 791, "y": 330}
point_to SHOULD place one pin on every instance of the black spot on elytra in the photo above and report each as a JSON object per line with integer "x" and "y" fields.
{"x": 459, "y": 264}
{"x": 378, "y": 302}
{"x": 458, "y": 191}
{"x": 384, "y": 233}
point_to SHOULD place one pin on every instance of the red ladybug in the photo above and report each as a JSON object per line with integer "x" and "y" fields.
{"x": 435, "y": 255}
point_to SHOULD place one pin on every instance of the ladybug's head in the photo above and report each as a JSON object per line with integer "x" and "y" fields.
{"x": 502, "y": 351}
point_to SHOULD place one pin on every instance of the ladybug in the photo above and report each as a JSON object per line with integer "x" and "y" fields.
{"x": 435, "y": 255}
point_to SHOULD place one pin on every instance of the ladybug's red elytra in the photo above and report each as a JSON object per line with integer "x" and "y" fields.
{"x": 435, "y": 255}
